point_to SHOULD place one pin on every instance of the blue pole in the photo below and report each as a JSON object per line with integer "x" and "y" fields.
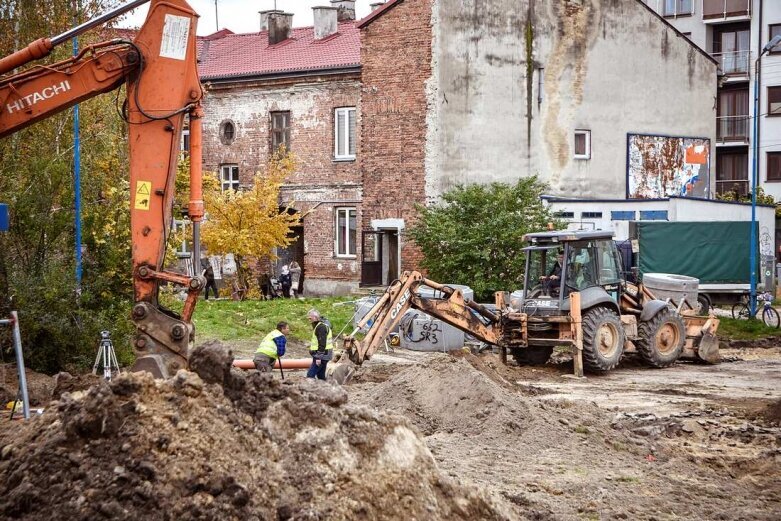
{"x": 77, "y": 175}
{"x": 754, "y": 178}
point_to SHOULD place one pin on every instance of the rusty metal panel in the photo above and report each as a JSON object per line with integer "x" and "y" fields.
{"x": 662, "y": 166}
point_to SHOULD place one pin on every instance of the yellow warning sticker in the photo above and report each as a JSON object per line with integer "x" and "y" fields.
{"x": 143, "y": 193}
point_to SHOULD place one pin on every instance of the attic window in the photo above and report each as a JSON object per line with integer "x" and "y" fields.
{"x": 227, "y": 132}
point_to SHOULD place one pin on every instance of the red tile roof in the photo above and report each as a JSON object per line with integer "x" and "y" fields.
{"x": 239, "y": 55}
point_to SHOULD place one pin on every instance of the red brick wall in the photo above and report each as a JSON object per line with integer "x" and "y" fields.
{"x": 396, "y": 61}
{"x": 318, "y": 178}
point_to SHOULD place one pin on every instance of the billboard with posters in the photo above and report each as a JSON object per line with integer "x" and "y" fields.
{"x": 664, "y": 166}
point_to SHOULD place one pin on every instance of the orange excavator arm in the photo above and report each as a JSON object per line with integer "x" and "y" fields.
{"x": 403, "y": 295}
{"x": 159, "y": 68}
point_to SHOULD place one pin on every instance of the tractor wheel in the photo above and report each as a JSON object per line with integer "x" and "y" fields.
{"x": 603, "y": 339}
{"x": 661, "y": 338}
{"x": 532, "y": 355}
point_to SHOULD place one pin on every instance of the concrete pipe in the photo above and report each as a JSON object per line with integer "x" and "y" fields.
{"x": 296, "y": 363}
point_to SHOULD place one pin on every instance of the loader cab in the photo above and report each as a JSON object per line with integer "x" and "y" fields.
{"x": 586, "y": 259}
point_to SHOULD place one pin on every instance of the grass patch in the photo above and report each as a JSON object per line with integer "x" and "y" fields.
{"x": 737, "y": 329}
{"x": 228, "y": 320}
{"x": 580, "y": 429}
{"x": 627, "y": 479}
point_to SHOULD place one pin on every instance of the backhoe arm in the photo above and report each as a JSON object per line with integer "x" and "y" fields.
{"x": 403, "y": 295}
{"x": 160, "y": 70}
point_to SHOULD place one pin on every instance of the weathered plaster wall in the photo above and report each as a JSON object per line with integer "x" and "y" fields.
{"x": 515, "y": 79}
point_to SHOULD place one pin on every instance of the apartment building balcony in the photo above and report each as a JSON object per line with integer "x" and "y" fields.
{"x": 720, "y": 11}
{"x": 733, "y": 66}
{"x": 732, "y": 130}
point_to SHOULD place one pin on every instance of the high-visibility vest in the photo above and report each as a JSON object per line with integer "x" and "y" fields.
{"x": 329, "y": 343}
{"x": 267, "y": 346}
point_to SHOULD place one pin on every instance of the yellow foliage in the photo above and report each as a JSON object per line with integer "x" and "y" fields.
{"x": 249, "y": 223}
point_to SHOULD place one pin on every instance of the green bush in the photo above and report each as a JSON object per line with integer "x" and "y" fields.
{"x": 475, "y": 235}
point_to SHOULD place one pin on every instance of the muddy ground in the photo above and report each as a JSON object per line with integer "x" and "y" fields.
{"x": 687, "y": 442}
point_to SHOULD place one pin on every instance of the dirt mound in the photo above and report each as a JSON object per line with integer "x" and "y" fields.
{"x": 221, "y": 444}
{"x": 39, "y": 385}
{"x": 544, "y": 456}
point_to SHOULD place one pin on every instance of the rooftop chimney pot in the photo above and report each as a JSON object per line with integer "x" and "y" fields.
{"x": 325, "y": 21}
{"x": 279, "y": 25}
{"x": 346, "y": 9}
{"x": 264, "y": 18}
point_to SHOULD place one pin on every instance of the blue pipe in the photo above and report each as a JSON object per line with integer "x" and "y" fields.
{"x": 754, "y": 180}
{"x": 77, "y": 180}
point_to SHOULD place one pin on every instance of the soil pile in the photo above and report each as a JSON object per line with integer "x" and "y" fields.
{"x": 222, "y": 444}
{"x": 39, "y": 385}
{"x": 548, "y": 458}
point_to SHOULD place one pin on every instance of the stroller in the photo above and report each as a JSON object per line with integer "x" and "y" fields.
{"x": 270, "y": 287}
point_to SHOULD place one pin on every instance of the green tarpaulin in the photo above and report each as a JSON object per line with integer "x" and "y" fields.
{"x": 714, "y": 252}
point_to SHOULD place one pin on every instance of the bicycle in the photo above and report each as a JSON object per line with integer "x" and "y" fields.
{"x": 769, "y": 315}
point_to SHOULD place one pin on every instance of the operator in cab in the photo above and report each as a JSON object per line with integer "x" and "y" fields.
{"x": 550, "y": 283}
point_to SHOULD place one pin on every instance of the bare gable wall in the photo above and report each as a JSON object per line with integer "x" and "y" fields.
{"x": 512, "y": 81}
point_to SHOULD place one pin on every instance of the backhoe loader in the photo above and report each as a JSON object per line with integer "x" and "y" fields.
{"x": 583, "y": 302}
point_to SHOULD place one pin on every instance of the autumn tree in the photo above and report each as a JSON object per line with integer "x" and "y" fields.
{"x": 59, "y": 324}
{"x": 250, "y": 223}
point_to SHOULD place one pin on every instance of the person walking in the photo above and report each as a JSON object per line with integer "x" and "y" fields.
{"x": 285, "y": 280}
{"x": 208, "y": 273}
{"x": 271, "y": 348}
{"x": 321, "y": 347}
{"x": 295, "y": 279}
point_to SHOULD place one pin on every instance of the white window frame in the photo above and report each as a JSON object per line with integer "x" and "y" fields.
{"x": 185, "y": 144}
{"x": 583, "y": 132}
{"x": 227, "y": 182}
{"x": 342, "y": 150}
{"x": 337, "y": 235}
{"x": 678, "y": 10}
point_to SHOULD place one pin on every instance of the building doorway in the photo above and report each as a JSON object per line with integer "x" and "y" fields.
{"x": 293, "y": 252}
{"x": 390, "y": 258}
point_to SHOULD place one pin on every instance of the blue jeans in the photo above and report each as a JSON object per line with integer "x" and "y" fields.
{"x": 317, "y": 370}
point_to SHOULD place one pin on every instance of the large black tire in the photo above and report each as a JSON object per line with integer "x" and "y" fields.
{"x": 532, "y": 355}
{"x": 661, "y": 338}
{"x": 603, "y": 339}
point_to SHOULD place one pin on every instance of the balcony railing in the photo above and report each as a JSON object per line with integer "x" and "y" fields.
{"x": 733, "y": 128}
{"x": 736, "y": 63}
{"x": 738, "y": 186}
{"x": 712, "y": 9}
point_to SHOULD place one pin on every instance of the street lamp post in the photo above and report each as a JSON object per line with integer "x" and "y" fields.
{"x": 755, "y": 178}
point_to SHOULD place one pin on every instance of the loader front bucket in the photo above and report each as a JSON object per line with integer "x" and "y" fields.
{"x": 708, "y": 350}
{"x": 701, "y": 339}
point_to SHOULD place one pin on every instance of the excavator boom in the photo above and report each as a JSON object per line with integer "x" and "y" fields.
{"x": 159, "y": 69}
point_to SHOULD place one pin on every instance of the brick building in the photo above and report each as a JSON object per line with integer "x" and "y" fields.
{"x": 298, "y": 87}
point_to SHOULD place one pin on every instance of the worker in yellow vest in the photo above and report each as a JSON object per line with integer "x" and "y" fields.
{"x": 271, "y": 348}
{"x": 322, "y": 347}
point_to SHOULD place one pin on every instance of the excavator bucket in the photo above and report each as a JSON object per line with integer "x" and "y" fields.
{"x": 708, "y": 350}
{"x": 342, "y": 369}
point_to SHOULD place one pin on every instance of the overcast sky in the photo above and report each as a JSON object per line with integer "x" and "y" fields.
{"x": 241, "y": 16}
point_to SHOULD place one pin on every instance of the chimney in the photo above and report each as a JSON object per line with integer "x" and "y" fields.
{"x": 264, "y": 18}
{"x": 346, "y": 9}
{"x": 325, "y": 21}
{"x": 376, "y": 5}
{"x": 279, "y": 25}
